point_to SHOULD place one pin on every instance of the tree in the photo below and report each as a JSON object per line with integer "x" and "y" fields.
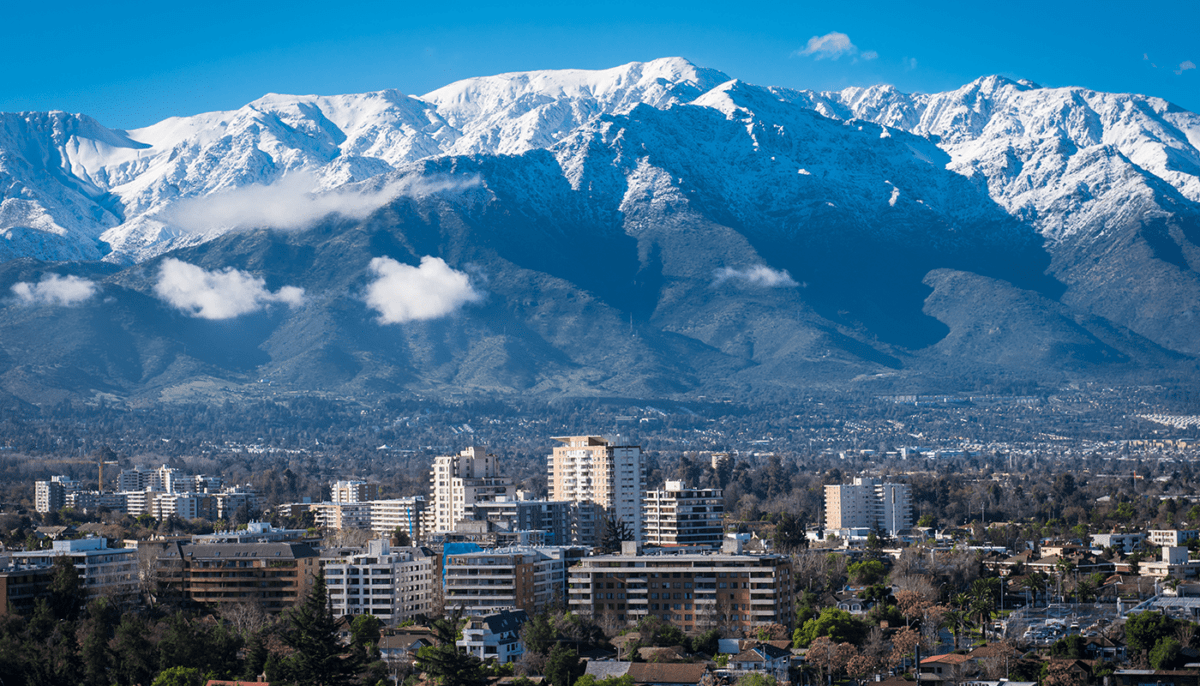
{"x": 867, "y": 572}
{"x": 1165, "y": 653}
{"x": 66, "y": 590}
{"x": 402, "y": 538}
{"x": 311, "y": 632}
{"x": 757, "y": 679}
{"x": 838, "y": 625}
{"x": 1144, "y": 629}
{"x": 562, "y": 666}
{"x": 613, "y": 532}
{"x": 133, "y": 654}
{"x": 447, "y": 666}
{"x": 1072, "y": 647}
{"x": 180, "y": 676}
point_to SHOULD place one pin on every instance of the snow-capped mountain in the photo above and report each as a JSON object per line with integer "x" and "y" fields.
{"x": 748, "y": 235}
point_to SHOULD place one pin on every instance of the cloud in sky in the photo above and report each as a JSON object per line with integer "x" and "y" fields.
{"x": 761, "y": 276}
{"x": 220, "y": 294}
{"x": 1184, "y": 66}
{"x": 54, "y": 289}
{"x": 294, "y": 202}
{"x": 832, "y": 46}
{"x": 403, "y": 293}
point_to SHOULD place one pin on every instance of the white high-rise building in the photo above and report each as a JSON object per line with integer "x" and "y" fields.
{"x": 869, "y": 504}
{"x": 676, "y": 515}
{"x": 51, "y": 496}
{"x": 394, "y": 584}
{"x": 591, "y": 469}
{"x": 470, "y": 477}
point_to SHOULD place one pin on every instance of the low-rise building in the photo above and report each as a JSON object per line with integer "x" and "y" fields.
{"x": 488, "y": 581}
{"x": 1127, "y": 543}
{"x": 495, "y": 637}
{"x": 394, "y": 584}
{"x": 21, "y": 586}
{"x": 273, "y": 575}
{"x": 695, "y": 591}
{"x": 103, "y": 571}
{"x": 1171, "y": 537}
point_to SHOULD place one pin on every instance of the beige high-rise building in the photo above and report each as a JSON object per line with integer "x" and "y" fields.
{"x": 470, "y": 477}
{"x": 591, "y": 469}
{"x": 868, "y": 504}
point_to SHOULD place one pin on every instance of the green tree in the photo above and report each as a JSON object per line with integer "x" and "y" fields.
{"x": 563, "y": 666}
{"x": 838, "y": 625}
{"x": 613, "y": 532}
{"x": 757, "y": 679}
{"x": 256, "y": 657}
{"x": 1165, "y": 653}
{"x": 133, "y": 654}
{"x": 1073, "y": 647}
{"x": 1144, "y": 629}
{"x": 94, "y": 652}
{"x": 311, "y": 632}
{"x": 447, "y": 666}
{"x": 66, "y": 590}
{"x": 180, "y": 676}
{"x": 867, "y": 572}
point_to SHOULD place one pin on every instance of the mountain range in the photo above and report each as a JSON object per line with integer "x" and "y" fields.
{"x": 653, "y": 230}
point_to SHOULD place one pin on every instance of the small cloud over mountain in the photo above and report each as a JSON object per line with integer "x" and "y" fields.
{"x": 403, "y": 293}
{"x": 55, "y": 290}
{"x": 760, "y": 276}
{"x": 222, "y": 294}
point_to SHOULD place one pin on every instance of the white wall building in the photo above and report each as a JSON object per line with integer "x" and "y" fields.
{"x": 495, "y": 637}
{"x": 394, "y": 584}
{"x": 456, "y": 481}
{"x": 104, "y": 571}
{"x": 51, "y": 495}
{"x": 676, "y": 515}
{"x": 592, "y": 469}
{"x": 869, "y": 503}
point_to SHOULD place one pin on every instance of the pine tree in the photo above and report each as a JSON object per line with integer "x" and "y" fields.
{"x": 312, "y": 633}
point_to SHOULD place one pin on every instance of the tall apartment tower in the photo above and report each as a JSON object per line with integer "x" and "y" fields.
{"x": 868, "y": 503}
{"x": 674, "y": 515}
{"x": 470, "y": 477}
{"x": 588, "y": 469}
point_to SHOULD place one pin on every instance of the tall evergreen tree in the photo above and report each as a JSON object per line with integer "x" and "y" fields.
{"x": 312, "y": 633}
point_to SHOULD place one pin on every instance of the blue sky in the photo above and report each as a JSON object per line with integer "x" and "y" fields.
{"x": 131, "y": 64}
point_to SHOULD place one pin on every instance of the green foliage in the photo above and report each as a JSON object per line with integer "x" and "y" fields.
{"x": 562, "y": 666}
{"x": 789, "y": 533}
{"x": 447, "y": 666}
{"x": 757, "y": 679}
{"x": 312, "y": 634}
{"x": 590, "y": 680}
{"x": 613, "y": 532}
{"x": 66, "y": 590}
{"x": 180, "y": 676}
{"x": 1144, "y": 629}
{"x": 189, "y": 643}
{"x": 867, "y": 572}
{"x": 926, "y": 520}
{"x": 839, "y": 625}
{"x": 707, "y": 642}
{"x": 723, "y": 659}
{"x": 1165, "y": 653}
{"x": 1073, "y": 647}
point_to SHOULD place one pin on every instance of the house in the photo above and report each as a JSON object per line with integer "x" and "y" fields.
{"x": 761, "y": 657}
{"x": 1102, "y": 648}
{"x": 948, "y": 667}
{"x": 495, "y": 636}
{"x": 656, "y": 654}
{"x": 402, "y": 647}
{"x": 667, "y": 674}
{"x": 1137, "y": 677}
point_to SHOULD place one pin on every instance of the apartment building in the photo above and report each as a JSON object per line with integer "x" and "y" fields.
{"x": 675, "y": 515}
{"x": 1170, "y": 537}
{"x": 394, "y": 584}
{"x": 104, "y": 571}
{"x": 696, "y": 592}
{"x": 869, "y": 503}
{"x": 595, "y": 469}
{"x": 382, "y": 517}
{"x": 457, "y": 481}
{"x": 51, "y": 495}
{"x": 494, "y": 637}
{"x": 21, "y": 586}
{"x": 487, "y": 581}
{"x": 551, "y": 516}
{"x": 353, "y": 491}
{"x": 273, "y": 575}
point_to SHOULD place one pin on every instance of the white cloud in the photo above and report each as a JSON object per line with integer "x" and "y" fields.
{"x": 830, "y": 46}
{"x": 910, "y": 63}
{"x": 55, "y": 290}
{"x": 403, "y": 293}
{"x": 218, "y": 294}
{"x": 294, "y": 202}
{"x": 1184, "y": 66}
{"x": 870, "y": 55}
{"x": 759, "y": 275}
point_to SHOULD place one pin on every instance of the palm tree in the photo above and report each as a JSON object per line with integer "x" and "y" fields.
{"x": 957, "y": 621}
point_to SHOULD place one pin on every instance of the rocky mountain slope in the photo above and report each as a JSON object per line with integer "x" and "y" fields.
{"x": 652, "y": 229}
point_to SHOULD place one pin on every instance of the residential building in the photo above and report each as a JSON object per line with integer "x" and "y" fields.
{"x": 51, "y": 495}
{"x": 554, "y": 517}
{"x": 103, "y": 571}
{"x": 1171, "y": 537}
{"x": 457, "y": 481}
{"x": 22, "y": 585}
{"x": 273, "y": 575}
{"x": 869, "y": 503}
{"x": 353, "y": 492}
{"x": 494, "y": 637}
{"x": 1174, "y": 563}
{"x": 394, "y": 584}
{"x": 1127, "y": 543}
{"x": 382, "y": 517}
{"x": 652, "y": 673}
{"x": 595, "y": 469}
{"x": 676, "y": 515}
{"x": 695, "y": 591}
{"x": 524, "y": 578}
{"x": 255, "y": 532}
{"x": 761, "y": 657}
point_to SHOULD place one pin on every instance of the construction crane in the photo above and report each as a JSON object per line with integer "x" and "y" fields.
{"x": 98, "y": 462}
